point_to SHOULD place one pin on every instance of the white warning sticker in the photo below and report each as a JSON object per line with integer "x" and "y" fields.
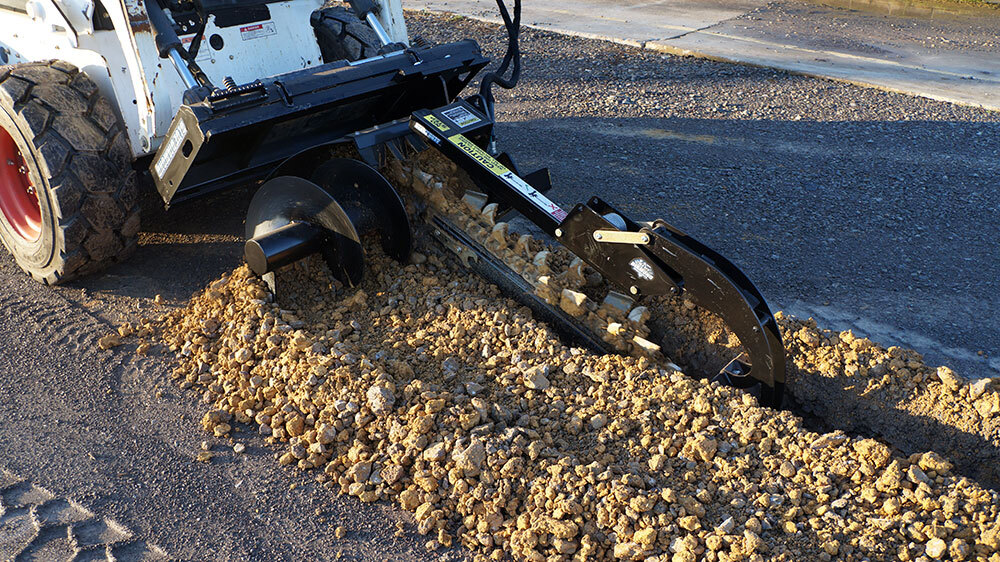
{"x": 258, "y": 30}
{"x": 204, "y": 52}
{"x": 170, "y": 149}
{"x": 460, "y": 116}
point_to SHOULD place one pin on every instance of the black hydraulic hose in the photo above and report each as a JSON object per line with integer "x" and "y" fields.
{"x": 512, "y": 56}
{"x": 199, "y": 33}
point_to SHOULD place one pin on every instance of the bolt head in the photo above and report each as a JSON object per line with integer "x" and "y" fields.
{"x": 634, "y": 290}
{"x": 597, "y": 236}
{"x": 558, "y": 233}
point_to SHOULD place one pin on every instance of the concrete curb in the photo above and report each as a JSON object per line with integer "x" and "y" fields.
{"x": 857, "y": 70}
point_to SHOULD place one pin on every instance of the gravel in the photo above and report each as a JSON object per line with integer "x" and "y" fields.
{"x": 644, "y": 463}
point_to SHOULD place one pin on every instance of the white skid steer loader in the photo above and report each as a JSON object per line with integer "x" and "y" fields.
{"x": 100, "y": 97}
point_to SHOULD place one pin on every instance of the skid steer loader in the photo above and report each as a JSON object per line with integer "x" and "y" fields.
{"x": 99, "y": 97}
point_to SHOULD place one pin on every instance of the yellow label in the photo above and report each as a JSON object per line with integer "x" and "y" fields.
{"x": 479, "y": 154}
{"x": 439, "y": 124}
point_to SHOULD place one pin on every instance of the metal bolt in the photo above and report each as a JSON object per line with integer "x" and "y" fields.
{"x": 645, "y": 239}
{"x": 673, "y": 290}
{"x": 558, "y": 233}
{"x": 634, "y": 290}
{"x": 597, "y": 236}
{"x": 31, "y": 190}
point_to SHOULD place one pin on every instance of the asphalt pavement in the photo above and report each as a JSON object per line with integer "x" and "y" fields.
{"x": 941, "y": 50}
{"x": 864, "y": 208}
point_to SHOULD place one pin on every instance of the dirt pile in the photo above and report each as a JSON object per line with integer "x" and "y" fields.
{"x": 428, "y": 389}
{"x": 863, "y": 387}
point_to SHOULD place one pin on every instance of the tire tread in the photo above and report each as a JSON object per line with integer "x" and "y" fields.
{"x": 86, "y": 161}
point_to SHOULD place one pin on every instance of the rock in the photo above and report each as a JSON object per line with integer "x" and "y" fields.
{"x": 948, "y": 378}
{"x": 751, "y": 541}
{"x": 205, "y": 456}
{"x": 645, "y": 537}
{"x": 409, "y": 499}
{"x": 436, "y": 452}
{"x": 991, "y": 536}
{"x": 959, "y": 550}
{"x": 638, "y": 315}
{"x": 702, "y": 405}
{"x": 380, "y": 399}
{"x": 916, "y": 475}
{"x": 295, "y": 426}
{"x": 391, "y": 474}
{"x": 787, "y": 469}
{"x": 598, "y": 421}
{"x": 340, "y": 532}
{"x": 109, "y": 341}
{"x": 239, "y": 448}
{"x": 979, "y": 388}
{"x": 470, "y": 459}
{"x": 359, "y": 472}
{"x": 657, "y": 462}
{"x": 935, "y": 548}
{"x": 535, "y": 379}
{"x": 573, "y": 303}
{"x": 628, "y": 551}
{"x": 829, "y": 440}
{"x": 701, "y": 447}
{"x": 933, "y": 461}
{"x": 562, "y": 529}
{"x": 423, "y": 511}
{"x": 242, "y": 355}
{"x": 689, "y": 523}
{"x": 726, "y": 526}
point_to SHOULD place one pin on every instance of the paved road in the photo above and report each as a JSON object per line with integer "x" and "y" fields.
{"x": 876, "y": 207}
{"x": 947, "y": 51}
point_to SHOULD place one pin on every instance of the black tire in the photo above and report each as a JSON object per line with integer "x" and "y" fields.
{"x": 342, "y": 36}
{"x": 77, "y": 159}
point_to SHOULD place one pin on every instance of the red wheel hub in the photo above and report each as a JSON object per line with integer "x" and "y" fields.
{"x": 18, "y": 198}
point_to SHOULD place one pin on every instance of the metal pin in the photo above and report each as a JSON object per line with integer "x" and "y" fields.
{"x": 634, "y": 290}
{"x": 558, "y": 233}
{"x": 597, "y": 236}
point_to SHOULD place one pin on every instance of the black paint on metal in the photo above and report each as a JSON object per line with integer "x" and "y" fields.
{"x": 291, "y": 217}
{"x": 245, "y": 133}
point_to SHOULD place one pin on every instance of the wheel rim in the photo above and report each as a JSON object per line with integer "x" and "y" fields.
{"x": 18, "y": 198}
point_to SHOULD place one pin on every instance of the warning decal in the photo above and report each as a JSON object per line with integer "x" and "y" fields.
{"x": 437, "y": 123}
{"x": 258, "y": 30}
{"x": 509, "y": 177}
{"x": 460, "y": 116}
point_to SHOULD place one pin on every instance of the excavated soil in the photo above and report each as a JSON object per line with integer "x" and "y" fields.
{"x": 429, "y": 389}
